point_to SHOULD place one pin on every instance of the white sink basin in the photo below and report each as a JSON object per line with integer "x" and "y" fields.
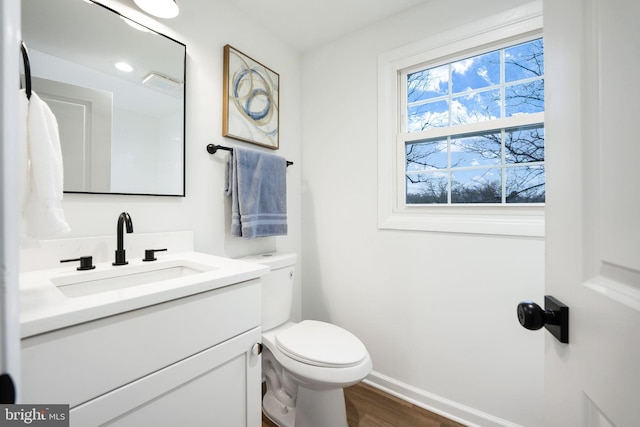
{"x": 61, "y": 297}
{"x": 81, "y": 284}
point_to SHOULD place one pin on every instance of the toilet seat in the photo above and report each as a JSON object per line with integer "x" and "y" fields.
{"x": 321, "y": 344}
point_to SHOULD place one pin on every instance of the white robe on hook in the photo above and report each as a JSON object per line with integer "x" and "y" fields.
{"x": 41, "y": 171}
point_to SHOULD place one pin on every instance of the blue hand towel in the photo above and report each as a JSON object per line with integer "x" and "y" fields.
{"x": 256, "y": 182}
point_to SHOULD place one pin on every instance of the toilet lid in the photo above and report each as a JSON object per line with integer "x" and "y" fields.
{"x": 321, "y": 344}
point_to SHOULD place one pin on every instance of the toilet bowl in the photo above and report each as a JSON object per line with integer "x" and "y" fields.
{"x": 305, "y": 365}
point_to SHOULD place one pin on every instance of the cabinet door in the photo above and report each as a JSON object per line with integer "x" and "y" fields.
{"x": 217, "y": 387}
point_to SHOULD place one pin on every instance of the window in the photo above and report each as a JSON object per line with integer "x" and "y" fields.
{"x": 461, "y": 129}
{"x": 473, "y": 132}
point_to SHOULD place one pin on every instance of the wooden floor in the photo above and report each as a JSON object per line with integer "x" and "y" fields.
{"x": 370, "y": 407}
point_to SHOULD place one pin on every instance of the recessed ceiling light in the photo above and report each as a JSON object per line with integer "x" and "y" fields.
{"x": 159, "y": 8}
{"x": 123, "y": 66}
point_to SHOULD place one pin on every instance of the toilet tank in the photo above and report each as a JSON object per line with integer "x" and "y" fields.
{"x": 277, "y": 287}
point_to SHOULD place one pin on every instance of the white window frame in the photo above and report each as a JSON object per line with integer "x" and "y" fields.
{"x": 518, "y": 220}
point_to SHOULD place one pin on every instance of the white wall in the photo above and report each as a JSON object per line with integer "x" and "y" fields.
{"x": 436, "y": 311}
{"x": 205, "y": 27}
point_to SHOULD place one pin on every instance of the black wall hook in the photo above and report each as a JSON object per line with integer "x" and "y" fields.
{"x": 27, "y": 69}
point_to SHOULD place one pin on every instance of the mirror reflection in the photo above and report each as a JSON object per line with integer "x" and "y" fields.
{"x": 117, "y": 90}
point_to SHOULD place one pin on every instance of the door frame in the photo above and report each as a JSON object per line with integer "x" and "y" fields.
{"x": 9, "y": 199}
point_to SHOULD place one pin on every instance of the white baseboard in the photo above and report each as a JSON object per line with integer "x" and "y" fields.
{"x": 447, "y": 408}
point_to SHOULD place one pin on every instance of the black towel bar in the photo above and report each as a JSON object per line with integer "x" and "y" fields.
{"x": 211, "y": 149}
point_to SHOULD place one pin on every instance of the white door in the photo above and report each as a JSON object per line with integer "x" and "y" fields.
{"x": 9, "y": 316}
{"x": 592, "y": 55}
{"x": 84, "y": 117}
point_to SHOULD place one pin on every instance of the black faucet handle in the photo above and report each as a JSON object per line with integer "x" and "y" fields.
{"x": 150, "y": 254}
{"x": 86, "y": 262}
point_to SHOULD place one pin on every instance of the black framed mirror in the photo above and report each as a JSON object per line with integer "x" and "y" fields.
{"x": 117, "y": 90}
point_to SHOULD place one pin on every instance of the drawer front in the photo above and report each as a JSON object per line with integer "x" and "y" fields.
{"x": 76, "y": 364}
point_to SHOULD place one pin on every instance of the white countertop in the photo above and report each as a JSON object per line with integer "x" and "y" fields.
{"x": 43, "y": 307}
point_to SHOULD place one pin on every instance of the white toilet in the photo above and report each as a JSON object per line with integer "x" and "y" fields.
{"x": 305, "y": 365}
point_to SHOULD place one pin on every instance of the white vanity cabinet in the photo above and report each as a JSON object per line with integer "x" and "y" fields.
{"x": 186, "y": 362}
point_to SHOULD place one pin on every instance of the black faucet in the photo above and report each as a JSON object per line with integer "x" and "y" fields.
{"x": 123, "y": 219}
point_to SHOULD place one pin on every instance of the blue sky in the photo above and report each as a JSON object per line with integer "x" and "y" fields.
{"x": 471, "y": 90}
{"x": 475, "y": 89}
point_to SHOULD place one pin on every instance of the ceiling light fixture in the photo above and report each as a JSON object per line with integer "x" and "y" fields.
{"x": 159, "y": 8}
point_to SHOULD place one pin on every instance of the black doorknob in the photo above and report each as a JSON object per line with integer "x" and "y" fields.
{"x": 533, "y": 317}
{"x": 554, "y": 317}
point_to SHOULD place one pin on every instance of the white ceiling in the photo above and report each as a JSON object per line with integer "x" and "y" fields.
{"x": 305, "y": 24}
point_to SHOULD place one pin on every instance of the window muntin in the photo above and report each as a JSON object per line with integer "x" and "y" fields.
{"x": 472, "y": 160}
{"x": 505, "y": 166}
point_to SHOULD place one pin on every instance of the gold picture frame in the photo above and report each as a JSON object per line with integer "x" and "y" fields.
{"x": 251, "y": 100}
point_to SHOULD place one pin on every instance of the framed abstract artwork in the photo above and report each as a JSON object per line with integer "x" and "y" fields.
{"x": 250, "y": 100}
